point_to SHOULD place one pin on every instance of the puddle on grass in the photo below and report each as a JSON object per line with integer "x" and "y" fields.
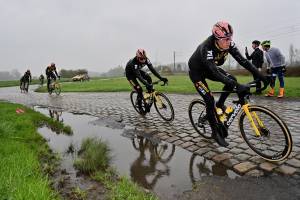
{"x": 155, "y": 165}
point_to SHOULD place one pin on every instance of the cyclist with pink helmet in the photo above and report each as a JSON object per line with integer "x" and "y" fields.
{"x": 134, "y": 71}
{"x": 203, "y": 64}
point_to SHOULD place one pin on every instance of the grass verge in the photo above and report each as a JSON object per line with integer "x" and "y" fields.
{"x": 177, "y": 84}
{"x": 94, "y": 159}
{"x": 25, "y": 157}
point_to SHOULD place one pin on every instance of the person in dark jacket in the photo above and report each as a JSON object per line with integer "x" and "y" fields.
{"x": 257, "y": 58}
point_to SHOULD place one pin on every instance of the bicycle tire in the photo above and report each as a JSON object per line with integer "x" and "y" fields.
{"x": 57, "y": 89}
{"x": 266, "y": 133}
{"x": 133, "y": 99}
{"x": 160, "y": 150}
{"x": 164, "y": 107}
{"x": 200, "y": 125}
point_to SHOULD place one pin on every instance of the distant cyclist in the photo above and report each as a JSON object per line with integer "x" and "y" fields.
{"x": 51, "y": 73}
{"x": 134, "y": 72}
{"x": 203, "y": 65}
{"x": 41, "y": 78}
{"x": 26, "y": 78}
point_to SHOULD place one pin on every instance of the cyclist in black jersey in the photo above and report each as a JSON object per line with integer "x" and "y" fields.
{"x": 50, "y": 73}
{"x": 26, "y": 78}
{"x": 134, "y": 71}
{"x": 203, "y": 64}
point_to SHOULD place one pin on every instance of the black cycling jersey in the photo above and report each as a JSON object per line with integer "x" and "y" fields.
{"x": 50, "y": 70}
{"x": 204, "y": 61}
{"x": 27, "y": 77}
{"x": 134, "y": 67}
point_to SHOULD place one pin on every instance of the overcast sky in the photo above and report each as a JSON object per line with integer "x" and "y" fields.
{"x": 98, "y": 34}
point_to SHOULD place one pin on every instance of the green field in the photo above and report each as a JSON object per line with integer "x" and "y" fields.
{"x": 177, "y": 84}
{"x": 15, "y": 83}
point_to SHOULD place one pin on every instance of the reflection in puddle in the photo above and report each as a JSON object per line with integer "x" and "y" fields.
{"x": 56, "y": 114}
{"x": 151, "y": 163}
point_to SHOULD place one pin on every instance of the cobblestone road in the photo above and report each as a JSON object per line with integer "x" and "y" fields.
{"x": 238, "y": 156}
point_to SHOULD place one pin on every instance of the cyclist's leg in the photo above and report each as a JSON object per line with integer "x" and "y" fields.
{"x": 48, "y": 81}
{"x": 53, "y": 76}
{"x": 202, "y": 88}
{"x": 137, "y": 87}
{"x": 148, "y": 78}
{"x": 223, "y": 96}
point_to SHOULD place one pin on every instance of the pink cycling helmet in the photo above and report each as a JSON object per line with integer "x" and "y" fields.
{"x": 222, "y": 29}
{"x": 141, "y": 54}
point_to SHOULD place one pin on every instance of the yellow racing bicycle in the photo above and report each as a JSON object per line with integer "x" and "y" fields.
{"x": 161, "y": 103}
{"x": 263, "y": 130}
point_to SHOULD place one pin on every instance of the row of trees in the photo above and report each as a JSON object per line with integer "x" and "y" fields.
{"x": 71, "y": 73}
{"x": 10, "y": 75}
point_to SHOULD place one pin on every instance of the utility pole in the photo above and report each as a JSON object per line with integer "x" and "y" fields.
{"x": 174, "y": 60}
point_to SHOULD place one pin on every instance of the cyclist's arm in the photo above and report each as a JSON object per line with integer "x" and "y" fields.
{"x": 30, "y": 77}
{"x": 56, "y": 73}
{"x": 151, "y": 68}
{"x": 244, "y": 62}
{"x": 139, "y": 76}
{"x": 208, "y": 61}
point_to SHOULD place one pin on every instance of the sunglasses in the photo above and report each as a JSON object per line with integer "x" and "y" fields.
{"x": 226, "y": 39}
{"x": 142, "y": 59}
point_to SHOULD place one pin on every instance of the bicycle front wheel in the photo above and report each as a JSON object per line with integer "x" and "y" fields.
{"x": 198, "y": 118}
{"x": 164, "y": 107}
{"x": 275, "y": 141}
{"x": 57, "y": 89}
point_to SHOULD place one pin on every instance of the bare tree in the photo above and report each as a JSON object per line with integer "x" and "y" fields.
{"x": 292, "y": 54}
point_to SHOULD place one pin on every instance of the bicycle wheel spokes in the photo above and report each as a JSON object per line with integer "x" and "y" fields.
{"x": 274, "y": 142}
{"x": 198, "y": 118}
{"x": 164, "y": 107}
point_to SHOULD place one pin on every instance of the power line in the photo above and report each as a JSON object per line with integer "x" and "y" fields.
{"x": 275, "y": 30}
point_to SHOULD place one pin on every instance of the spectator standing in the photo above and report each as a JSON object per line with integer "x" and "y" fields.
{"x": 276, "y": 66}
{"x": 257, "y": 58}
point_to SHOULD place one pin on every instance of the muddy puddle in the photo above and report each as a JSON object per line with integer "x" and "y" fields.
{"x": 155, "y": 165}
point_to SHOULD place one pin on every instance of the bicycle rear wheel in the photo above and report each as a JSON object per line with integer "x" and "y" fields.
{"x": 134, "y": 101}
{"x": 198, "y": 118}
{"x": 275, "y": 141}
{"x": 164, "y": 107}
